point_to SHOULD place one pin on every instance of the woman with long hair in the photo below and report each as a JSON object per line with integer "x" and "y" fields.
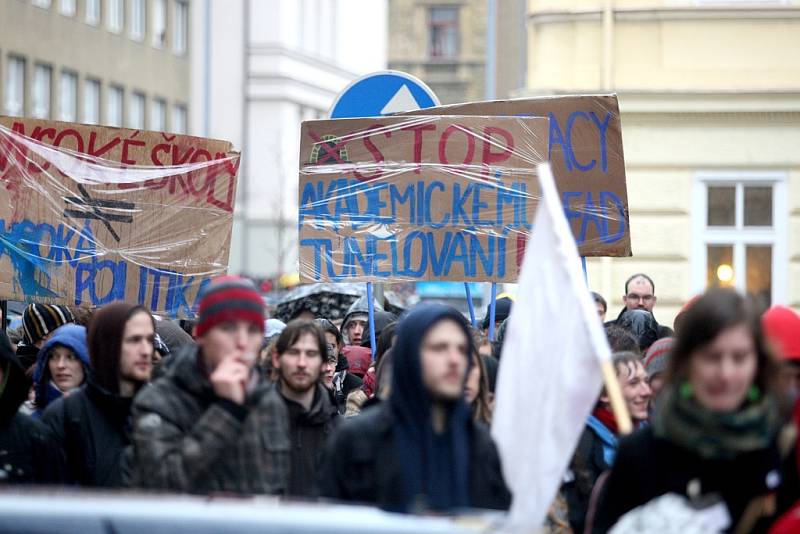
{"x": 476, "y": 391}
{"x": 714, "y": 435}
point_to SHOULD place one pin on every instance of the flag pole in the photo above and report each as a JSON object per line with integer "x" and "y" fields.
{"x": 371, "y": 318}
{"x": 614, "y": 392}
{"x": 470, "y": 304}
{"x": 492, "y": 308}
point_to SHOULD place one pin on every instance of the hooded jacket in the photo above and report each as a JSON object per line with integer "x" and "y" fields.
{"x": 641, "y": 326}
{"x": 26, "y": 452}
{"x": 92, "y": 426}
{"x": 359, "y": 307}
{"x": 72, "y": 337}
{"x": 187, "y": 439}
{"x": 390, "y": 455}
{"x": 309, "y": 430}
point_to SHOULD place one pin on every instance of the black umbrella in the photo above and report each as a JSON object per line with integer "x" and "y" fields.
{"x": 328, "y": 300}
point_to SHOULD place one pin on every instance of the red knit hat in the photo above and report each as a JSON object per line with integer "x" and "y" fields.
{"x": 782, "y": 327}
{"x": 657, "y": 358}
{"x": 229, "y": 298}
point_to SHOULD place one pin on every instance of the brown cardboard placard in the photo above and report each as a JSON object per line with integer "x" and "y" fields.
{"x": 422, "y": 198}
{"x": 92, "y": 214}
{"x": 585, "y": 152}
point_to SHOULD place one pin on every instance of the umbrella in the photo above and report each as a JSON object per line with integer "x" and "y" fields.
{"x": 328, "y": 300}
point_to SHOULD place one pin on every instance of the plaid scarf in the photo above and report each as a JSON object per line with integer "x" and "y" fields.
{"x": 716, "y": 435}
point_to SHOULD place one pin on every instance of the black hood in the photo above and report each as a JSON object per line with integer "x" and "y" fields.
{"x": 437, "y": 468}
{"x": 642, "y": 325}
{"x": 15, "y": 385}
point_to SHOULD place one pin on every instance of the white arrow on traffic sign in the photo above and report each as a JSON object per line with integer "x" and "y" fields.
{"x": 402, "y": 100}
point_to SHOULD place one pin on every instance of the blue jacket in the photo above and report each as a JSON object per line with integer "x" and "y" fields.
{"x": 70, "y": 336}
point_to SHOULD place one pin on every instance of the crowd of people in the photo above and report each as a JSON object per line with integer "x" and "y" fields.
{"x": 234, "y": 403}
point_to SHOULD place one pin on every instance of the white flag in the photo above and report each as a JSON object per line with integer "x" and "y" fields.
{"x": 549, "y": 377}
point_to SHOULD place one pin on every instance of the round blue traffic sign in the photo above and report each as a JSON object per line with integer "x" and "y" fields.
{"x": 382, "y": 93}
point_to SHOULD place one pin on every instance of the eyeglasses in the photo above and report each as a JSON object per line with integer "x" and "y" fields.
{"x": 636, "y": 298}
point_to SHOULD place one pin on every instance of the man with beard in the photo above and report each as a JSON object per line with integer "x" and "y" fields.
{"x": 419, "y": 450}
{"x": 92, "y": 425}
{"x": 298, "y": 358}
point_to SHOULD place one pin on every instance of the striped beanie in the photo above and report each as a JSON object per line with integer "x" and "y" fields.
{"x": 39, "y": 320}
{"x": 657, "y": 356}
{"x": 229, "y": 298}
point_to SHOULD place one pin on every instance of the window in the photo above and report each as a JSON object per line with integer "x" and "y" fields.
{"x": 68, "y": 97}
{"x": 136, "y": 111}
{"x": 93, "y": 12}
{"x": 179, "y": 30}
{"x": 158, "y": 116}
{"x": 42, "y": 3}
{"x": 91, "y": 102}
{"x": 67, "y": 7}
{"x": 42, "y": 82}
{"x": 138, "y": 17}
{"x": 740, "y": 221}
{"x": 15, "y": 87}
{"x": 159, "y": 25}
{"x": 443, "y": 31}
{"x": 115, "y": 15}
{"x": 179, "y": 119}
{"x": 115, "y": 104}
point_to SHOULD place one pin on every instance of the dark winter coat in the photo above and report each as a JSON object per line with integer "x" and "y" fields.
{"x": 590, "y": 460}
{"x": 92, "y": 428}
{"x": 187, "y": 439}
{"x": 647, "y": 467}
{"x": 360, "y": 465}
{"x": 26, "y": 452}
{"x": 309, "y": 430}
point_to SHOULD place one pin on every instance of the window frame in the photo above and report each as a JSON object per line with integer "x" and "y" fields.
{"x": 73, "y": 76}
{"x": 114, "y": 91}
{"x": 7, "y": 92}
{"x": 71, "y": 4}
{"x": 739, "y": 235}
{"x": 141, "y": 98}
{"x": 180, "y": 113}
{"x": 180, "y": 41}
{"x": 155, "y": 103}
{"x": 456, "y": 25}
{"x": 138, "y": 34}
{"x": 44, "y": 99}
{"x": 91, "y": 82}
{"x": 119, "y": 11}
{"x": 91, "y": 17}
{"x": 154, "y": 10}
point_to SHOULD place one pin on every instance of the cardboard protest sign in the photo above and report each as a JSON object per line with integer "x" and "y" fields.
{"x": 585, "y": 152}
{"x": 422, "y": 198}
{"x": 91, "y": 215}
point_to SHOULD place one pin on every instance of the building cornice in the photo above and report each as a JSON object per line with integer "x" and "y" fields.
{"x": 667, "y": 13}
{"x": 661, "y": 101}
{"x": 274, "y": 49}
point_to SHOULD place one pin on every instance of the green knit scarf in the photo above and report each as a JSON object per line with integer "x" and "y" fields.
{"x": 716, "y": 435}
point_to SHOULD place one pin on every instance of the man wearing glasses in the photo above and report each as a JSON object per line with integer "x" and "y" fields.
{"x": 640, "y": 294}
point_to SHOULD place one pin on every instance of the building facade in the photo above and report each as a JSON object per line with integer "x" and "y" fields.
{"x": 442, "y": 43}
{"x": 110, "y": 62}
{"x": 710, "y": 103}
{"x": 261, "y": 68}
